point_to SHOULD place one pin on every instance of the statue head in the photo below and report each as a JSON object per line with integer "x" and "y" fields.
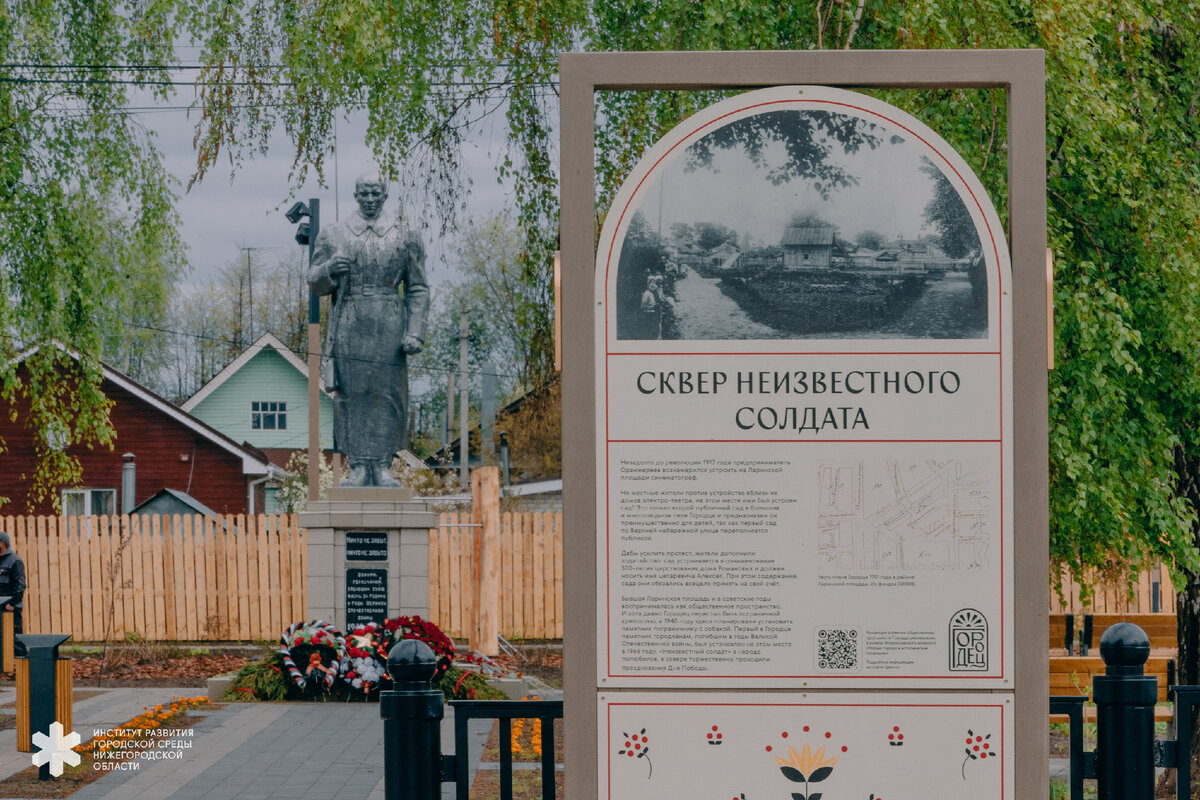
{"x": 370, "y": 191}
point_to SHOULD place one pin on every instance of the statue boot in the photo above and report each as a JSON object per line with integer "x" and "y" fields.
{"x": 359, "y": 475}
{"x": 383, "y": 474}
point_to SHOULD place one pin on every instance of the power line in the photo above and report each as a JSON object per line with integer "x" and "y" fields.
{"x": 157, "y": 109}
{"x": 498, "y": 62}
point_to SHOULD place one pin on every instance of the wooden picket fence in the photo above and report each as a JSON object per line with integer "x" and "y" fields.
{"x": 162, "y": 578}
{"x": 531, "y": 574}
{"x": 244, "y": 577}
{"x": 1153, "y": 593}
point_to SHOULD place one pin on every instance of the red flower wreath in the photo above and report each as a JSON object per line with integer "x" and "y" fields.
{"x": 413, "y": 627}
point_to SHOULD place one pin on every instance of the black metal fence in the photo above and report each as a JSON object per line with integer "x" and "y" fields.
{"x": 1127, "y": 754}
{"x": 414, "y": 765}
{"x": 505, "y": 711}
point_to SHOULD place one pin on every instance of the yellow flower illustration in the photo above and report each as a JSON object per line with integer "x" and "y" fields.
{"x": 806, "y": 765}
{"x": 806, "y": 761}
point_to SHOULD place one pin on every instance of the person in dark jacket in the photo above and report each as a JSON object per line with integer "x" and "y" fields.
{"x": 12, "y": 580}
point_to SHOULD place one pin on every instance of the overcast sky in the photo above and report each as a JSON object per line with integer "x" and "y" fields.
{"x": 226, "y": 212}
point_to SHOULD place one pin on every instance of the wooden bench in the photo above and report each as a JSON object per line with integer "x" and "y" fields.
{"x": 1161, "y": 628}
{"x": 1072, "y": 674}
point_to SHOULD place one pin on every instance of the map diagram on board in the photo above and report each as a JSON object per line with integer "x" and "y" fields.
{"x": 903, "y": 515}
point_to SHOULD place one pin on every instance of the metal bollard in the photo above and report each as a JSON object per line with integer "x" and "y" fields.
{"x": 412, "y": 725}
{"x": 1125, "y": 716}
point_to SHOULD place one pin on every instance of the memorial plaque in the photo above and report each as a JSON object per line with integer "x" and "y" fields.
{"x": 804, "y": 406}
{"x": 366, "y": 596}
{"x": 366, "y": 546}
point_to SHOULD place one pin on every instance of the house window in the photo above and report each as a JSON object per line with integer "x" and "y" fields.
{"x": 268, "y": 415}
{"x": 89, "y": 502}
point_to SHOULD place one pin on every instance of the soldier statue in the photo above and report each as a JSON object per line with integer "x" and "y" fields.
{"x": 374, "y": 326}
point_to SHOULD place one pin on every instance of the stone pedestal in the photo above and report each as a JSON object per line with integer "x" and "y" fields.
{"x": 388, "y": 555}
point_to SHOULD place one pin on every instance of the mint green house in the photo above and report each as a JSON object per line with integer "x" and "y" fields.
{"x": 261, "y": 399}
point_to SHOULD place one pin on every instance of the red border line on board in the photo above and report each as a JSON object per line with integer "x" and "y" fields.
{"x": 724, "y": 676}
{"x": 999, "y": 326}
{"x": 615, "y": 353}
{"x": 809, "y": 441}
{"x": 612, "y": 705}
{"x": 977, "y": 706}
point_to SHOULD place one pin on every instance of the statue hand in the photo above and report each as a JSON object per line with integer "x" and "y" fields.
{"x": 339, "y": 266}
{"x": 411, "y": 345}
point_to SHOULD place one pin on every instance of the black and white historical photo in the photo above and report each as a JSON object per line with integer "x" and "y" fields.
{"x": 801, "y": 223}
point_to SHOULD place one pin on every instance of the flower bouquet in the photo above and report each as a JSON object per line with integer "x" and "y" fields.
{"x": 414, "y": 627}
{"x": 365, "y": 665}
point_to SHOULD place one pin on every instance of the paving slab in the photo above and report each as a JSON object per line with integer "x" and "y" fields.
{"x": 251, "y": 751}
{"x": 109, "y": 708}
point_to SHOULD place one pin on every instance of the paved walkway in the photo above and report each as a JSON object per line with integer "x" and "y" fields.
{"x": 251, "y": 751}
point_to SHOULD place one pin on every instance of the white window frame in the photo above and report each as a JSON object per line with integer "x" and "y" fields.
{"x": 88, "y": 495}
{"x": 261, "y": 410}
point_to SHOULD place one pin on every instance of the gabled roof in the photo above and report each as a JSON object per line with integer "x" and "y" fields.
{"x": 182, "y": 497}
{"x": 797, "y": 235}
{"x": 264, "y": 341}
{"x": 252, "y": 464}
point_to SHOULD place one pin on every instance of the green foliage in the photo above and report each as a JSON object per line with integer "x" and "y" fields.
{"x": 1123, "y": 179}
{"x": 264, "y": 680}
{"x": 1122, "y": 176}
{"x": 86, "y": 212}
{"x": 422, "y": 72}
{"x": 458, "y": 684}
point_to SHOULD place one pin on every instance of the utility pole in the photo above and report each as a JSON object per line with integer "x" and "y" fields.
{"x": 464, "y": 439}
{"x": 487, "y": 414}
{"x": 250, "y": 291}
{"x": 448, "y": 419}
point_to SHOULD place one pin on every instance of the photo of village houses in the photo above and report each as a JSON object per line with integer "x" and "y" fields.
{"x": 798, "y": 224}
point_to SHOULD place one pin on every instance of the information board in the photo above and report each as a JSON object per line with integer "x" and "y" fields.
{"x": 366, "y": 596}
{"x": 804, "y": 405}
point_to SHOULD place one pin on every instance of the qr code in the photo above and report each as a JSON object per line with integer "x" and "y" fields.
{"x": 838, "y": 649}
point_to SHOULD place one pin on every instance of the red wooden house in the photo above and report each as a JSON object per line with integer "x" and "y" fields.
{"x": 171, "y": 450}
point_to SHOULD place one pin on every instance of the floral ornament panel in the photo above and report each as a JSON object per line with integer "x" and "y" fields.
{"x": 791, "y": 746}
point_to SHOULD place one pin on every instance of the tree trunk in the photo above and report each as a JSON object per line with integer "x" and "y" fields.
{"x": 1187, "y": 615}
{"x": 1187, "y": 467}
